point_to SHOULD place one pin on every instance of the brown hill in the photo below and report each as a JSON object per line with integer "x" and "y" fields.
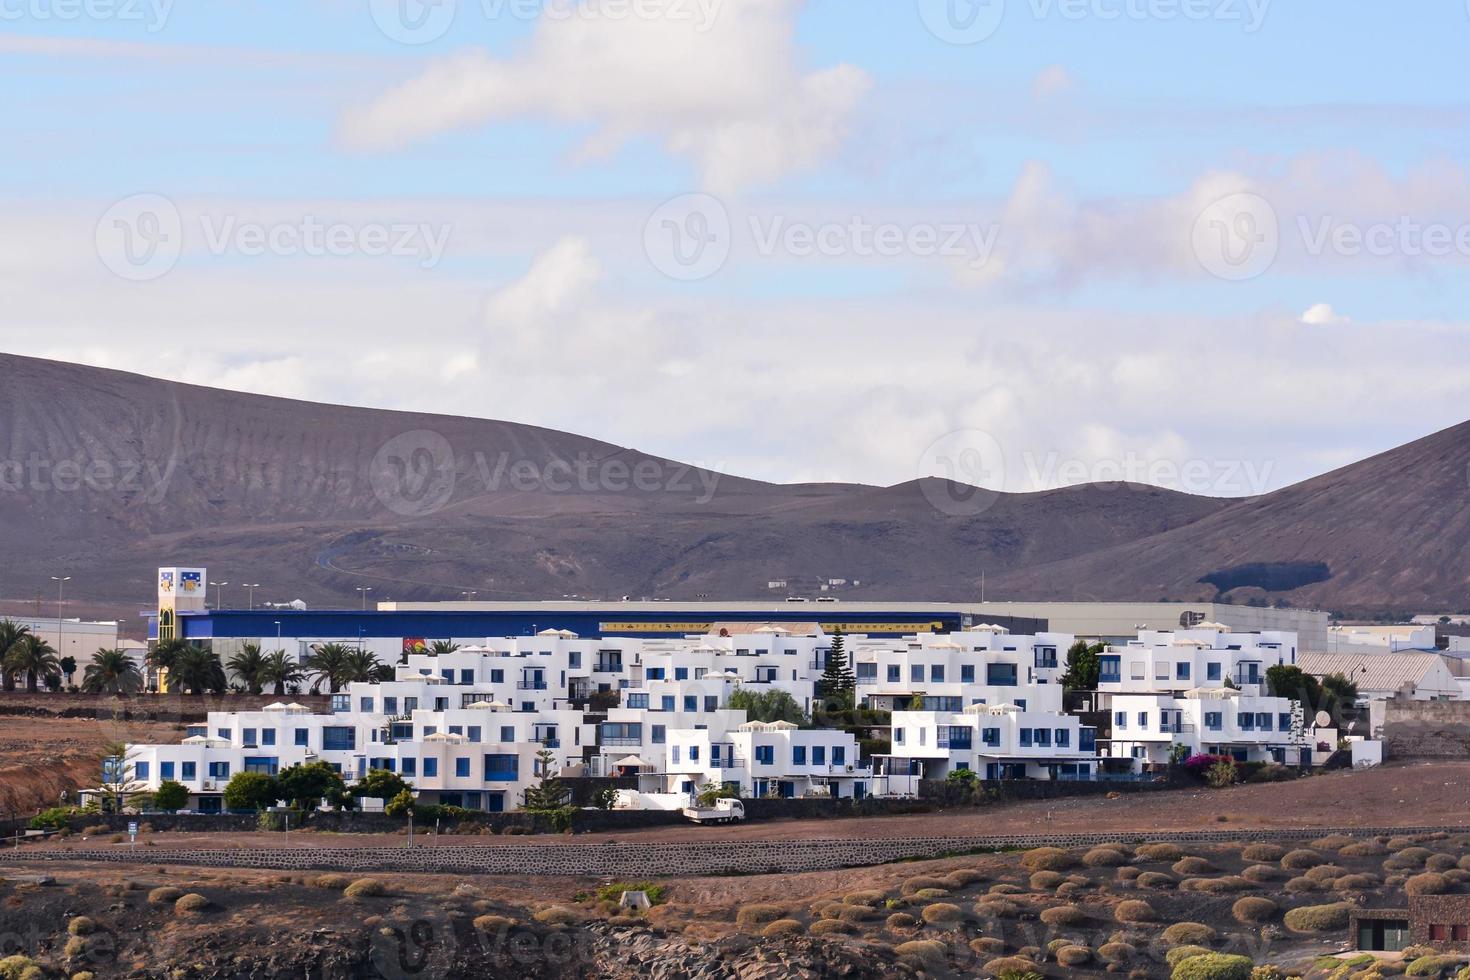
{"x": 1390, "y": 533}
{"x": 105, "y": 475}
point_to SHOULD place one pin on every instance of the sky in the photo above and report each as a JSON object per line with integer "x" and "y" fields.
{"x": 1216, "y": 245}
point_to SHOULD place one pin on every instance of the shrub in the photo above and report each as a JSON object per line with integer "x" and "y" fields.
{"x": 1189, "y": 934}
{"x": 1440, "y": 862}
{"x": 19, "y": 968}
{"x": 557, "y": 915}
{"x": 1045, "y": 881}
{"x": 1432, "y": 966}
{"x": 942, "y": 913}
{"x": 1260, "y": 873}
{"x": 1301, "y": 859}
{"x": 81, "y": 926}
{"x": 1063, "y": 915}
{"x": 1366, "y": 848}
{"x": 1427, "y": 883}
{"x": 1154, "y": 879}
{"x": 849, "y": 913}
{"x": 987, "y": 946}
{"x": 1408, "y": 858}
{"x": 75, "y": 948}
{"x": 1222, "y": 774}
{"x": 1104, "y": 857}
{"x": 1216, "y": 886}
{"x": 335, "y": 882}
{"x": 364, "y": 888}
{"x": 1214, "y": 966}
{"x": 1173, "y": 956}
{"x": 1134, "y": 910}
{"x": 1116, "y": 952}
{"x": 492, "y": 923}
{"x": 1048, "y": 859}
{"x": 1332, "y": 842}
{"x": 1010, "y": 965}
{"x": 1006, "y": 889}
{"x": 781, "y": 928}
{"x": 1263, "y": 852}
{"x": 192, "y": 902}
{"x": 657, "y": 894}
{"x": 1073, "y": 955}
{"x": 1318, "y": 918}
{"x": 827, "y": 927}
{"x": 901, "y": 922}
{"x": 997, "y": 908}
{"x": 1355, "y": 883}
{"x": 1300, "y": 886}
{"x": 925, "y": 949}
{"x": 758, "y": 915}
{"x": 1189, "y": 866}
{"x": 164, "y": 895}
{"x": 917, "y": 884}
{"x": 1253, "y": 909}
{"x": 1325, "y": 873}
{"x": 1159, "y": 852}
{"x": 963, "y": 878}
{"x": 930, "y": 894}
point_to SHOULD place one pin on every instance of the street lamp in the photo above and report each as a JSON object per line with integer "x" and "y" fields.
{"x": 252, "y": 586}
{"x": 363, "y": 590}
{"x": 60, "y": 630}
{"x": 468, "y": 596}
{"x": 219, "y": 594}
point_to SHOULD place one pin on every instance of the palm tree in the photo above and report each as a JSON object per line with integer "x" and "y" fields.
{"x": 248, "y": 665}
{"x": 362, "y": 667}
{"x": 163, "y": 654}
{"x": 112, "y": 672}
{"x": 197, "y": 671}
{"x": 443, "y": 646}
{"x": 10, "y": 635}
{"x": 328, "y": 662}
{"x": 280, "y": 670}
{"x": 33, "y": 657}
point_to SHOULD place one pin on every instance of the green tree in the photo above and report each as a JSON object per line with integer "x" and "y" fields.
{"x": 10, "y": 637}
{"x": 251, "y": 791}
{"x": 441, "y": 647}
{"x": 308, "y": 786}
{"x": 1290, "y": 681}
{"x": 767, "y": 706}
{"x": 162, "y": 656}
{"x": 68, "y": 667}
{"x": 838, "y": 685}
{"x": 248, "y": 666}
{"x": 605, "y": 798}
{"x": 1340, "y": 697}
{"x": 380, "y": 784}
{"x": 1084, "y": 666}
{"x": 33, "y": 657}
{"x": 112, "y": 672}
{"x": 328, "y": 663}
{"x": 710, "y": 792}
{"x": 196, "y": 671}
{"x": 171, "y": 795}
{"x": 279, "y": 670}
{"x": 550, "y": 793}
{"x": 402, "y": 805}
{"x": 118, "y": 784}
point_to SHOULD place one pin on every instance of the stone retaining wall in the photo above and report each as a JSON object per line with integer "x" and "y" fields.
{"x": 1425, "y": 729}
{"x": 713, "y": 857}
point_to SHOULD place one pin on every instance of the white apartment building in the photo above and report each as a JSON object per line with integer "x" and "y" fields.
{"x": 759, "y": 759}
{"x": 1203, "y": 689}
{"x": 994, "y": 741}
{"x": 949, "y": 672}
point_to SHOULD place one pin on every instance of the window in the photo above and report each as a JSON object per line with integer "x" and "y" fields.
{"x": 936, "y": 674}
{"x": 462, "y": 767}
{"x": 819, "y": 755}
{"x": 497, "y": 676}
{"x": 456, "y": 729}
{"x": 225, "y": 734}
{"x": 502, "y": 768}
{"x": 341, "y": 702}
{"x": 1212, "y": 672}
{"x": 188, "y": 769}
{"x": 410, "y": 767}
{"x": 574, "y": 659}
{"x": 839, "y": 755}
{"x": 1181, "y": 671}
{"x": 1025, "y": 738}
{"x": 967, "y": 673}
{"x": 1043, "y": 738}
{"x": 466, "y": 675}
{"x": 247, "y": 737}
{"x": 867, "y": 673}
{"x": 1438, "y": 933}
{"x": 674, "y": 753}
{"x": 1161, "y": 672}
{"x": 1245, "y": 721}
{"x": 267, "y": 736}
{"x": 916, "y": 673}
{"x": 1120, "y": 719}
{"x": 1283, "y": 721}
{"x": 1046, "y": 657}
{"x": 893, "y": 673}
{"x": 219, "y": 770}
{"x": 681, "y": 673}
{"x": 140, "y": 770}
{"x": 1213, "y": 721}
{"x": 365, "y": 705}
{"x": 711, "y": 702}
{"x": 898, "y": 736}
{"x": 269, "y": 765}
{"x": 656, "y": 674}
{"x": 1460, "y": 934}
{"x": 302, "y": 737}
{"x": 638, "y": 700}
{"x": 765, "y": 755}
{"x": 339, "y": 739}
{"x": 431, "y": 768}
{"x": 693, "y": 753}
{"x": 441, "y": 704}
{"x": 165, "y": 770}
{"x": 448, "y": 675}
{"x": 1000, "y": 675}
{"x": 410, "y": 705}
{"x": 1143, "y": 719}
{"x": 1109, "y": 670}
{"x": 691, "y": 702}
{"x": 1064, "y": 738}
{"x": 990, "y": 736}
{"x": 1263, "y": 721}
{"x": 798, "y": 755}
{"x": 666, "y": 703}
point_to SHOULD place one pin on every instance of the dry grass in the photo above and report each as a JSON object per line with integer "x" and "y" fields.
{"x": 1063, "y": 916}
{"x": 1045, "y": 881}
{"x": 1191, "y": 866}
{"x": 1154, "y": 879}
{"x": 191, "y": 903}
{"x": 1073, "y": 956}
{"x": 165, "y": 895}
{"x": 1189, "y": 934}
{"x": 364, "y": 888}
{"x": 942, "y": 913}
{"x": 1254, "y": 909}
{"x": 1104, "y": 857}
{"x": 1325, "y": 873}
{"x": 1263, "y": 853}
{"x": 828, "y": 927}
{"x": 1428, "y": 883}
{"x": 1134, "y": 910}
{"x": 920, "y": 883}
{"x": 1048, "y": 859}
{"x": 1159, "y": 852}
{"x": 1301, "y": 859}
{"x": 750, "y": 916}
{"x": 1116, "y": 952}
{"x": 81, "y": 926}
{"x": 901, "y": 922}
{"x": 1009, "y": 964}
{"x": 1318, "y": 918}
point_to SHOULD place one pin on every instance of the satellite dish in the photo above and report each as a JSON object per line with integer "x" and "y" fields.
{"x": 1323, "y": 719}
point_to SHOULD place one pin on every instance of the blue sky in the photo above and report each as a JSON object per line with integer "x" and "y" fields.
{"x": 1059, "y": 185}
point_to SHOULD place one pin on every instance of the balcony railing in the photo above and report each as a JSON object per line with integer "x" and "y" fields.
{"x": 608, "y": 667}
{"x": 1177, "y": 728}
{"x": 531, "y": 686}
{"x": 622, "y": 741}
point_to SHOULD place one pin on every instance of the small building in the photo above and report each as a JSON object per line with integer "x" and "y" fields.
{"x": 1441, "y": 922}
{"x": 1418, "y": 676}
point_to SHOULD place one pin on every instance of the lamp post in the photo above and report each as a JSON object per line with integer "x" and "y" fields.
{"x": 219, "y": 594}
{"x": 363, "y": 590}
{"x": 252, "y": 586}
{"x": 60, "y": 629}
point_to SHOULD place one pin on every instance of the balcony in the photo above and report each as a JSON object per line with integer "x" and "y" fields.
{"x": 1177, "y": 728}
{"x": 550, "y": 743}
{"x": 622, "y": 741}
{"x": 608, "y": 667}
{"x": 531, "y": 686}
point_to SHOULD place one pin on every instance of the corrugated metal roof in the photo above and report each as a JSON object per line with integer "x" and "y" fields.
{"x": 1371, "y": 671}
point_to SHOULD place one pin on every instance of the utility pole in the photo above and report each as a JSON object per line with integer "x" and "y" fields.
{"x": 363, "y": 590}
{"x": 60, "y": 629}
{"x": 219, "y": 595}
{"x": 252, "y": 586}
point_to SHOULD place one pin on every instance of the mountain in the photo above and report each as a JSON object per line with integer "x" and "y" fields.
{"x": 105, "y": 475}
{"x": 1390, "y": 533}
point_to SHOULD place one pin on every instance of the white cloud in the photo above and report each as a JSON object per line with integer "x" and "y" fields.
{"x": 1322, "y": 315}
{"x": 730, "y": 96}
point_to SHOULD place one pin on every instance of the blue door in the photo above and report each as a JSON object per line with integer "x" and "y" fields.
{"x": 495, "y": 802}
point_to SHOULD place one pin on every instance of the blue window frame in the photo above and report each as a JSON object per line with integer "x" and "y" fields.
{"x": 1025, "y": 738}
{"x": 1181, "y": 671}
{"x": 655, "y": 673}
{"x": 303, "y": 736}
{"x": 188, "y": 769}
{"x": 867, "y": 673}
{"x": 140, "y": 770}
{"x": 507, "y": 733}
{"x": 839, "y": 755}
{"x": 1263, "y": 721}
{"x": 462, "y": 767}
{"x": 497, "y": 676}
{"x": 219, "y": 770}
{"x": 657, "y": 734}
{"x": 967, "y": 673}
{"x": 1043, "y": 738}
{"x": 798, "y": 755}
{"x": 990, "y": 736}
{"x": 390, "y": 705}
{"x": 916, "y": 673}
{"x": 819, "y": 755}
{"x": 1120, "y": 719}
{"x": 666, "y": 702}
{"x": 638, "y": 700}
{"x": 248, "y": 737}
{"x": 691, "y": 702}
{"x": 410, "y": 767}
{"x": 267, "y": 736}
{"x": 431, "y": 768}
{"x": 1245, "y": 721}
{"x": 765, "y": 754}
{"x": 365, "y": 705}
{"x": 1064, "y": 738}
{"x": 165, "y": 770}
{"x": 1143, "y": 719}
{"x": 1213, "y": 721}
{"x": 893, "y": 673}
{"x": 339, "y": 739}
{"x": 1283, "y": 721}
{"x": 693, "y": 753}
{"x": 1000, "y": 675}
{"x": 1110, "y": 669}
{"x": 1212, "y": 671}
{"x": 466, "y": 675}
{"x": 936, "y": 673}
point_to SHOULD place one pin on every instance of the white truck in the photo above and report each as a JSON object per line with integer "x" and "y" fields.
{"x": 724, "y": 811}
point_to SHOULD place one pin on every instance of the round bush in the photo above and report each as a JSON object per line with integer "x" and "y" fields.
{"x": 1355, "y": 883}
{"x": 758, "y": 915}
{"x": 164, "y": 895}
{"x": 1300, "y": 886}
{"x": 942, "y": 913}
{"x": 850, "y": 913}
{"x": 1104, "y": 857}
{"x": 1432, "y": 966}
{"x": 557, "y": 915}
{"x": 1253, "y": 909}
{"x": 963, "y": 878}
{"x": 871, "y": 899}
{"x": 1048, "y": 859}
{"x": 1063, "y": 915}
{"x": 1154, "y": 879}
{"x": 81, "y": 926}
{"x": 1264, "y": 853}
{"x": 1189, "y": 934}
{"x": 1009, "y": 964}
{"x": 988, "y": 946}
{"x": 1159, "y": 852}
{"x": 1116, "y": 952}
{"x": 997, "y": 908}
{"x": 1173, "y": 956}
{"x": 191, "y": 902}
{"x": 335, "y": 882}
{"x": 1073, "y": 956}
{"x": 828, "y": 927}
{"x": 1216, "y": 886}
{"x": 1364, "y": 848}
{"x": 1214, "y": 966}
{"x": 901, "y": 922}
{"x": 1318, "y": 918}
{"x": 781, "y": 928}
{"x": 1464, "y": 863}
{"x": 1261, "y": 873}
{"x": 1131, "y": 873}
{"x": 1428, "y": 883}
{"x": 1301, "y": 859}
{"x": 1006, "y": 888}
{"x": 365, "y": 888}
{"x": 919, "y": 883}
{"x": 930, "y": 893}
{"x": 1332, "y": 842}
{"x": 1187, "y": 867}
{"x": 1325, "y": 873}
{"x": 1134, "y": 910}
{"x": 492, "y": 923}
{"x": 925, "y": 949}
{"x": 1440, "y": 862}
{"x": 1045, "y": 881}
